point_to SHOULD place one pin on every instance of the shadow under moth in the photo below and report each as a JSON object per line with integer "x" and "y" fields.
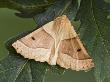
{"x": 55, "y": 43}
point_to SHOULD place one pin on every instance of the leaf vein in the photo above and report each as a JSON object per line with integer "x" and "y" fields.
{"x": 20, "y": 70}
{"x": 65, "y": 8}
{"x": 103, "y": 42}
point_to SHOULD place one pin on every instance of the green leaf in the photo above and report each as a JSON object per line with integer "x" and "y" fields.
{"x": 26, "y": 8}
{"x": 10, "y": 68}
{"x": 67, "y": 7}
{"x": 17, "y": 69}
{"x": 94, "y": 19}
{"x": 94, "y": 32}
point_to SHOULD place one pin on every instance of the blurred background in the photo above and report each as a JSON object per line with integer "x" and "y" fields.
{"x": 11, "y": 25}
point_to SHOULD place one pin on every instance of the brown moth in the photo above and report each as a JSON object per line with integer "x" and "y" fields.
{"x": 56, "y": 43}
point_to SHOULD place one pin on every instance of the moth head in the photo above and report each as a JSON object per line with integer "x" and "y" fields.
{"x": 61, "y": 24}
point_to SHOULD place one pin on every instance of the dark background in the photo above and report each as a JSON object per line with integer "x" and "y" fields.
{"x": 11, "y": 25}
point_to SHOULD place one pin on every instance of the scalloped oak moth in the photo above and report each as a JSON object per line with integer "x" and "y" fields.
{"x": 56, "y": 43}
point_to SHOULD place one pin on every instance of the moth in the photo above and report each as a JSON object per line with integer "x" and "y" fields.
{"x": 55, "y": 43}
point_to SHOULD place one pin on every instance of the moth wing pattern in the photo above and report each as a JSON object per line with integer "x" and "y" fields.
{"x": 36, "y": 45}
{"x": 55, "y": 43}
{"x": 73, "y": 55}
